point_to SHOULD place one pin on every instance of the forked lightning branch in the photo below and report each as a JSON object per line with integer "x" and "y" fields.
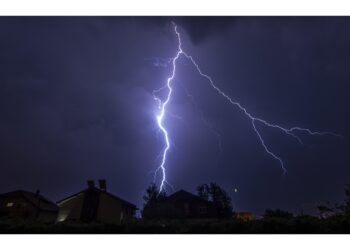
{"x": 162, "y": 105}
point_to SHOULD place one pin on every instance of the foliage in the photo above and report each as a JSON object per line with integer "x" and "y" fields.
{"x": 329, "y": 210}
{"x": 222, "y": 201}
{"x": 277, "y": 213}
{"x": 298, "y": 224}
{"x": 152, "y": 207}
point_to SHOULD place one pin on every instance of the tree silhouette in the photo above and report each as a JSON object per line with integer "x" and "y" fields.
{"x": 343, "y": 208}
{"x": 278, "y": 213}
{"x": 214, "y": 193}
{"x": 203, "y": 191}
{"x": 152, "y": 199}
{"x": 151, "y": 193}
{"x": 346, "y": 205}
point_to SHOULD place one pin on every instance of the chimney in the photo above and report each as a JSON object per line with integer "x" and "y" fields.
{"x": 91, "y": 184}
{"x": 103, "y": 185}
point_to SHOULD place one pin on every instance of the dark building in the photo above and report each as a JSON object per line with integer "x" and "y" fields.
{"x": 28, "y": 205}
{"x": 95, "y": 205}
{"x": 182, "y": 205}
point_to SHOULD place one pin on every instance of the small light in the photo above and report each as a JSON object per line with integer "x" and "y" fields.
{"x": 62, "y": 216}
{"x": 9, "y": 204}
{"x": 61, "y": 219}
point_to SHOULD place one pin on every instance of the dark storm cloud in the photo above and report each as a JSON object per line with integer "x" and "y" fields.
{"x": 281, "y": 71}
{"x": 76, "y": 103}
{"x": 198, "y": 28}
{"x": 66, "y": 100}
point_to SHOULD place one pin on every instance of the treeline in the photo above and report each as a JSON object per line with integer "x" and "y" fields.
{"x": 301, "y": 224}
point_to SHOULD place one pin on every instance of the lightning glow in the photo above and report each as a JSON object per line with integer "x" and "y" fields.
{"x": 204, "y": 120}
{"x": 162, "y": 106}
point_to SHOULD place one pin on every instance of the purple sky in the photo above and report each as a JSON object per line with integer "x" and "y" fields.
{"x": 76, "y": 103}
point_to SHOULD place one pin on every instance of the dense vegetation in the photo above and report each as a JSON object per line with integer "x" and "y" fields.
{"x": 298, "y": 224}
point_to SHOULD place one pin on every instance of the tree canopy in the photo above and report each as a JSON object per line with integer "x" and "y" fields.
{"x": 214, "y": 193}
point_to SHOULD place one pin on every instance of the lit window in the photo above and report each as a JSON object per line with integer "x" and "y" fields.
{"x": 63, "y": 214}
{"x": 9, "y": 204}
{"x": 62, "y": 218}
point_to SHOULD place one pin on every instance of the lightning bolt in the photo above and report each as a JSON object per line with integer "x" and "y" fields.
{"x": 162, "y": 105}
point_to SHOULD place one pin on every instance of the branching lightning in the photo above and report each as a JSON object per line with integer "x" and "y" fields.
{"x": 162, "y": 106}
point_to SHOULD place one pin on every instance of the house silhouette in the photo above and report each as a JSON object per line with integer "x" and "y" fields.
{"x": 181, "y": 205}
{"x": 95, "y": 205}
{"x": 28, "y": 205}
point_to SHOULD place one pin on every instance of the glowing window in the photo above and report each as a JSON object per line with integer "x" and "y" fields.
{"x": 9, "y": 204}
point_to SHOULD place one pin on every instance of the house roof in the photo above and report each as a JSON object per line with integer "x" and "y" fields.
{"x": 124, "y": 202}
{"x": 37, "y": 200}
{"x": 184, "y": 195}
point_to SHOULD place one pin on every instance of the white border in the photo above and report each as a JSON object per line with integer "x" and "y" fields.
{"x": 174, "y": 242}
{"x": 174, "y": 7}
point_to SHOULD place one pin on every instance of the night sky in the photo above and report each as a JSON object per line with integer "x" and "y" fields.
{"x": 76, "y": 103}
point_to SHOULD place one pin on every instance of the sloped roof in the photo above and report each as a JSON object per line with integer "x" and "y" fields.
{"x": 184, "y": 195}
{"x": 38, "y": 201}
{"x": 124, "y": 202}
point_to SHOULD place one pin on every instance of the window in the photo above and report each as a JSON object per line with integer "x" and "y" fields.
{"x": 62, "y": 215}
{"x": 9, "y": 204}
